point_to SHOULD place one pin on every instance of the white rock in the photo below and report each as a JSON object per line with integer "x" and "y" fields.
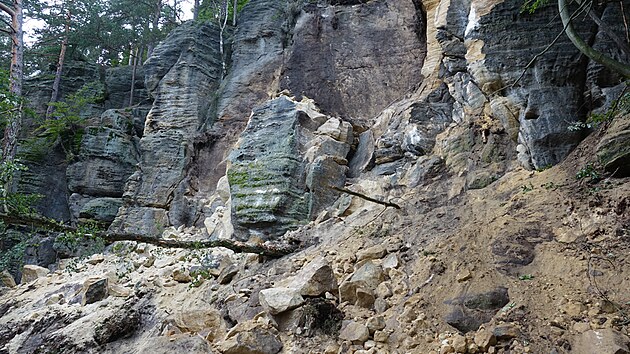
{"x": 278, "y": 300}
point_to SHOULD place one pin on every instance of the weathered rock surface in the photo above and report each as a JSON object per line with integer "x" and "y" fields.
{"x": 605, "y": 341}
{"x": 314, "y": 279}
{"x": 614, "y": 148}
{"x": 470, "y": 311}
{"x": 94, "y": 289}
{"x": 280, "y": 174}
{"x": 31, "y": 272}
{"x": 356, "y": 77}
{"x": 278, "y": 300}
{"x": 181, "y": 76}
{"x": 250, "y": 338}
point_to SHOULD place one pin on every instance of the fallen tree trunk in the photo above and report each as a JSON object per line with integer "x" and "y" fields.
{"x": 363, "y": 196}
{"x": 269, "y": 249}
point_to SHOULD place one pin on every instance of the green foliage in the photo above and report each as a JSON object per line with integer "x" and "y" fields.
{"x": 84, "y": 241}
{"x": 526, "y": 188}
{"x": 622, "y": 104}
{"x": 12, "y": 258}
{"x": 212, "y": 10}
{"x": 65, "y": 124}
{"x": 526, "y": 277}
{"x": 530, "y": 6}
{"x": 199, "y": 276}
{"x": 588, "y": 172}
{"x": 14, "y": 203}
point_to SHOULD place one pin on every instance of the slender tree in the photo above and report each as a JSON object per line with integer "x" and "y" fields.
{"x": 12, "y": 130}
{"x": 599, "y": 57}
{"x": 62, "y": 56}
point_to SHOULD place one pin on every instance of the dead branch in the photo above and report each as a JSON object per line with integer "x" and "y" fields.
{"x": 269, "y": 249}
{"x": 363, "y": 196}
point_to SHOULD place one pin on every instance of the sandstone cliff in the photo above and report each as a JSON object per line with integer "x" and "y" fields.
{"x": 512, "y": 233}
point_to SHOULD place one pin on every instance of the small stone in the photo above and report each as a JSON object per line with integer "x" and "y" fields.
{"x": 446, "y": 349}
{"x": 380, "y": 305}
{"x": 149, "y": 261}
{"x": 278, "y": 300}
{"x": 574, "y": 308}
{"x": 459, "y": 343}
{"x": 463, "y": 276}
{"x": 581, "y": 327}
{"x": 55, "y": 299}
{"x": 484, "y": 339}
{"x": 314, "y": 279}
{"x": 365, "y": 298}
{"x": 94, "y": 290}
{"x": 374, "y": 252}
{"x": 354, "y": 332}
{"x": 392, "y": 261}
{"x": 506, "y": 331}
{"x": 31, "y": 272}
{"x": 601, "y": 341}
{"x": 227, "y": 274}
{"x": 6, "y": 279}
{"x": 369, "y": 344}
{"x": 119, "y": 291}
{"x": 331, "y": 348}
{"x": 181, "y": 276}
{"x": 381, "y": 336}
{"x": 96, "y": 259}
{"x": 384, "y": 290}
{"x": 375, "y": 323}
{"x": 164, "y": 262}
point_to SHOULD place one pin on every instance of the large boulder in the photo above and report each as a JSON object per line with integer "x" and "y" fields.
{"x": 281, "y": 173}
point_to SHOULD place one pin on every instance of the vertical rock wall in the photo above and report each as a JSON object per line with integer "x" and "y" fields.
{"x": 182, "y": 76}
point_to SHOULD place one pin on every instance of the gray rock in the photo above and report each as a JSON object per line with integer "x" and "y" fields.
{"x": 94, "y": 290}
{"x": 175, "y": 344}
{"x": 470, "y": 311}
{"x": 278, "y": 300}
{"x": 374, "y": 252}
{"x": 118, "y": 86}
{"x": 31, "y": 272}
{"x": 359, "y": 288}
{"x": 227, "y": 273}
{"x": 314, "y": 279}
{"x": 278, "y": 176}
{"x": 601, "y": 341}
{"x": 101, "y": 209}
{"x": 6, "y": 279}
{"x": 336, "y": 59}
{"x": 254, "y": 341}
{"x": 375, "y": 323}
{"x": 182, "y": 75}
{"x": 354, "y": 332}
{"x": 121, "y": 323}
{"x": 613, "y": 149}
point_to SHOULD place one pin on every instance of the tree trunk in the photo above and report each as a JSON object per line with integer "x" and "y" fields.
{"x": 12, "y": 130}
{"x": 587, "y": 50}
{"x": 133, "y": 75}
{"x": 196, "y": 10}
{"x": 155, "y": 26}
{"x": 222, "y": 25}
{"x": 62, "y": 55}
{"x": 234, "y": 10}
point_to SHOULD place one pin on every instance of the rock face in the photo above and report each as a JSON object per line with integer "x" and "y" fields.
{"x": 107, "y": 157}
{"x": 614, "y": 148}
{"x": 181, "y": 76}
{"x": 353, "y": 75}
{"x": 287, "y": 159}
